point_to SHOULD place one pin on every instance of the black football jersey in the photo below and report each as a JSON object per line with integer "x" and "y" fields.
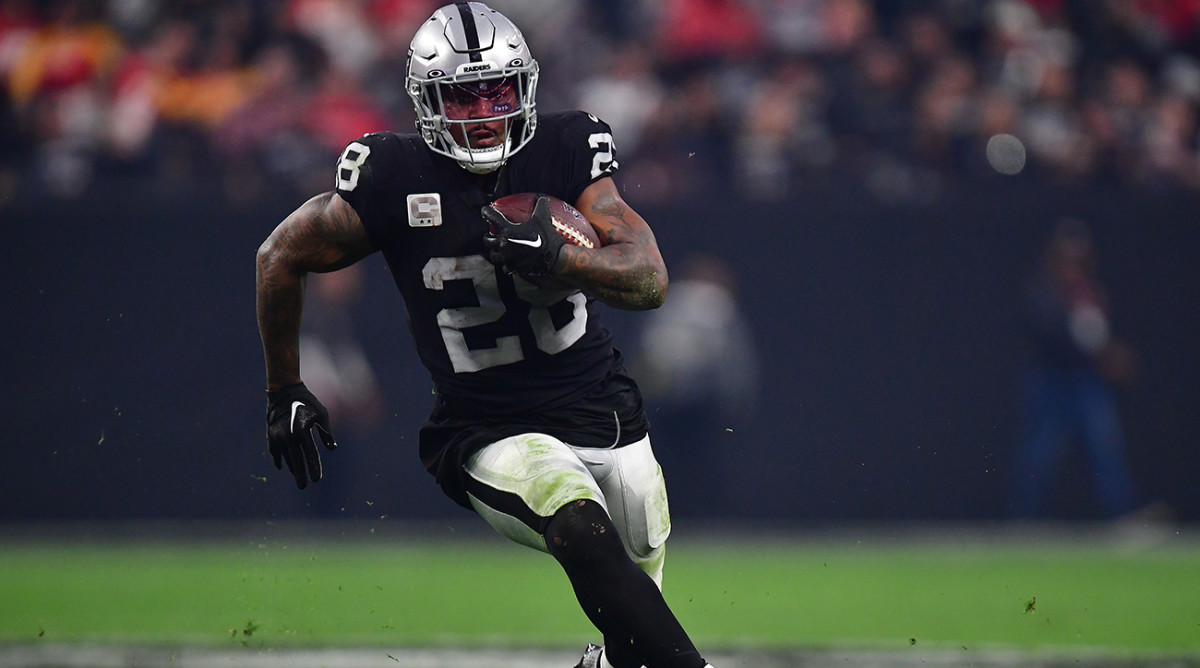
{"x": 505, "y": 356}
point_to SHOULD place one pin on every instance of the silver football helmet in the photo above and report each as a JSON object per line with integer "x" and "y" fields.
{"x": 469, "y": 65}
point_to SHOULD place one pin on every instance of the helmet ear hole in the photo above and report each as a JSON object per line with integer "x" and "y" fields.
{"x": 466, "y": 46}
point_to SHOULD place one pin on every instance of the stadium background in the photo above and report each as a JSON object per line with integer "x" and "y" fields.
{"x": 881, "y": 270}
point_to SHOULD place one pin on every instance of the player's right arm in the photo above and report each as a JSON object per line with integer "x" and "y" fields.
{"x": 324, "y": 234}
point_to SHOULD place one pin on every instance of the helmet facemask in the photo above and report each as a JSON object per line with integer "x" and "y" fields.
{"x": 471, "y": 77}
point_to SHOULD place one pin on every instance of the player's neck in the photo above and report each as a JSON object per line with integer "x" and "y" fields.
{"x": 489, "y": 182}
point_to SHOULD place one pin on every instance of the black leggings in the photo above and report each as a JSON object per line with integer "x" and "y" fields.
{"x": 618, "y": 597}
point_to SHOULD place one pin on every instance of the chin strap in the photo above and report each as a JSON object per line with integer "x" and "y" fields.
{"x": 480, "y": 168}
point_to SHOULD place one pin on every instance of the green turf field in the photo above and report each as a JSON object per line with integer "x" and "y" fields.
{"x": 809, "y": 593}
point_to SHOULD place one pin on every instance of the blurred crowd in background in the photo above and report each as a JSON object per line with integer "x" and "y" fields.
{"x": 765, "y": 94}
{"x": 111, "y": 110}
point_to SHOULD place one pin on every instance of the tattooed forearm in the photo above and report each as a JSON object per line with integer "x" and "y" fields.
{"x": 636, "y": 290}
{"x": 280, "y": 299}
{"x": 627, "y": 271}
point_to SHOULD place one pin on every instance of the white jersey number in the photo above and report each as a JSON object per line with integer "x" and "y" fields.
{"x": 604, "y": 161}
{"x": 490, "y": 309}
{"x": 350, "y": 164}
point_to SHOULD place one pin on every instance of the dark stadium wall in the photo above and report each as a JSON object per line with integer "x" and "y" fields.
{"x": 133, "y": 381}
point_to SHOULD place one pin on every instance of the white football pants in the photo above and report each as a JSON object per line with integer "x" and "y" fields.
{"x": 544, "y": 474}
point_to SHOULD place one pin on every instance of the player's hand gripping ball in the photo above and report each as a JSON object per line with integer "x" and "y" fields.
{"x": 527, "y": 232}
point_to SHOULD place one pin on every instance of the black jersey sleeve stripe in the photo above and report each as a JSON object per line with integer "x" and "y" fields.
{"x": 470, "y": 30}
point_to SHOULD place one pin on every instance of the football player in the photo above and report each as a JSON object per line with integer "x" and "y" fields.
{"x": 535, "y": 425}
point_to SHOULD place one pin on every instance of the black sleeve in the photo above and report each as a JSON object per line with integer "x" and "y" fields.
{"x": 589, "y": 153}
{"x": 362, "y": 179}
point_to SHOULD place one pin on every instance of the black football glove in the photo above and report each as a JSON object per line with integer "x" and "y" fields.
{"x": 528, "y": 249}
{"x": 295, "y": 422}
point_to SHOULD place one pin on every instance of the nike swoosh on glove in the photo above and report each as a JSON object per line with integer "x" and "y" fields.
{"x": 530, "y": 248}
{"x": 296, "y": 421}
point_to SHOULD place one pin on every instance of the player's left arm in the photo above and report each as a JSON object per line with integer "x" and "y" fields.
{"x": 627, "y": 271}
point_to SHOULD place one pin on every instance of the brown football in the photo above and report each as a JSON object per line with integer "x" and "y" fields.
{"x": 569, "y": 223}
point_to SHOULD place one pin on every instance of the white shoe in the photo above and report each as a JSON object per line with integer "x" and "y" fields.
{"x": 591, "y": 657}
